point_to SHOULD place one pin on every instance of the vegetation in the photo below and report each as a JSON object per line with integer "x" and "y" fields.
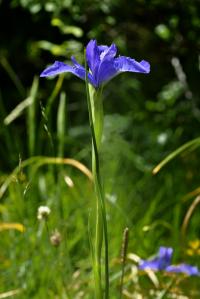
{"x": 46, "y": 147}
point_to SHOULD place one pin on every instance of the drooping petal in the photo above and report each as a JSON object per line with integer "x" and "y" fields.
{"x": 151, "y": 264}
{"x": 183, "y": 268}
{"x": 92, "y": 55}
{"x": 110, "y": 66}
{"x": 127, "y": 64}
{"x": 60, "y": 67}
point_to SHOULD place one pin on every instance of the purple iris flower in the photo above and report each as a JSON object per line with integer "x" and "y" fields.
{"x": 103, "y": 65}
{"x": 162, "y": 261}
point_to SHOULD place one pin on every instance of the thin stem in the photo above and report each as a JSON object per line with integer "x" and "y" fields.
{"x": 188, "y": 216}
{"x": 95, "y": 166}
{"x": 191, "y": 145}
{"x": 123, "y": 258}
{"x": 99, "y": 227}
{"x": 47, "y": 228}
{"x": 100, "y": 207}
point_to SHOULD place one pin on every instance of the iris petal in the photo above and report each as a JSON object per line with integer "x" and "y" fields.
{"x": 57, "y": 68}
{"x": 127, "y": 64}
{"x": 92, "y": 55}
{"x": 99, "y": 61}
{"x": 102, "y": 48}
{"x": 60, "y": 67}
{"x": 165, "y": 253}
{"x": 152, "y": 265}
{"x": 183, "y": 268}
{"x": 160, "y": 262}
{"x": 108, "y": 52}
{"x": 106, "y": 71}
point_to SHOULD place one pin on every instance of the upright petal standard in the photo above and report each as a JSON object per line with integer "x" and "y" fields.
{"x": 160, "y": 262}
{"x": 103, "y": 65}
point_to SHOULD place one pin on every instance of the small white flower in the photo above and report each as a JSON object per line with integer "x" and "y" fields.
{"x": 43, "y": 212}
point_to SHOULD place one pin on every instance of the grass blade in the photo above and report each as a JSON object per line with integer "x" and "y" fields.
{"x": 10, "y": 293}
{"x": 54, "y": 94}
{"x": 191, "y": 145}
{"x": 40, "y": 161}
{"x": 61, "y": 124}
{"x": 31, "y": 119}
{"x": 6, "y": 65}
{"x": 16, "y": 112}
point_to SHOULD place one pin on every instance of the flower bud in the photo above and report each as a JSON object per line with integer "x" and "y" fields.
{"x": 56, "y": 238}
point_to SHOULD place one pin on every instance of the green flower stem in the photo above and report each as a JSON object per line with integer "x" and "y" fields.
{"x": 95, "y": 108}
{"x": 97, "y": 113}
{"x": 97, "y": 120}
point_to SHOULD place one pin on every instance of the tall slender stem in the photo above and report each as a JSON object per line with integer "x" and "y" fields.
{"x": 123, "y": 258}
{"x": 95, "y": 108}
{"x": 98, "y": 232}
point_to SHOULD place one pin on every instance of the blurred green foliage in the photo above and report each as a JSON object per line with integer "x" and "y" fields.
{"x": 146, "y": 118}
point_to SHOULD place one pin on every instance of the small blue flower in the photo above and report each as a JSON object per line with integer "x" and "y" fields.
{"x": 102, "y": 62}
{"x": 162, "y": 261}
